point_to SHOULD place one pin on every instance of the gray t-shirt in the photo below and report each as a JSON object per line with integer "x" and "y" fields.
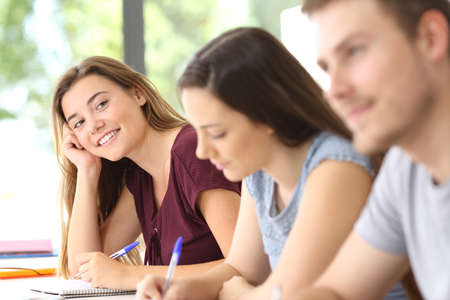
{"x": 408, "y": 214}
{"x": 275, "y": 227}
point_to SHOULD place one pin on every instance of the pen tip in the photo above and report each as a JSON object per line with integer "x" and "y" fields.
{"x": 178, "y": 244}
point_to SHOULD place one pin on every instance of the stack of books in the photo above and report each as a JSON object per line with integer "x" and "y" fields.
{"x": 27, "y": 258}
{"x": 26, "y": 248}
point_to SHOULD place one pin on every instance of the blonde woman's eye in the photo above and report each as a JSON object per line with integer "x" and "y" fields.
{"x": 101, "y": 104}
{"x": 77, "y": 124}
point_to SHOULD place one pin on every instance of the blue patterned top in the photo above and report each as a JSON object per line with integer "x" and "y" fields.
{"x": 275, "y": 227}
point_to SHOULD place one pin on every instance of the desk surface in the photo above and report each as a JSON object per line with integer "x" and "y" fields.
{"x": 19, "y": 289}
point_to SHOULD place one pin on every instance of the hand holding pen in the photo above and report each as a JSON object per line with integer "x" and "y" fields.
{"x": 155, "y": 287}
{"x": 115, "y": 255}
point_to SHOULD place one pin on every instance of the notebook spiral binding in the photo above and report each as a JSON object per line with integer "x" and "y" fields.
{"x": 95, "y": 292}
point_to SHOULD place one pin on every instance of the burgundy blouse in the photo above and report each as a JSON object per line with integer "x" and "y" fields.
{"x": 178, "y": 214}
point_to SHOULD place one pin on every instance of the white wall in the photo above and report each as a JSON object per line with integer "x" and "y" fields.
{"x": 298, "y": 35}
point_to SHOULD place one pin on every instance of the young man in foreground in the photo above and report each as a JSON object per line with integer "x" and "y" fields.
{"x": 389, "y": 65}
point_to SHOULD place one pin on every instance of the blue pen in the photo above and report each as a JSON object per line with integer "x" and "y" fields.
{"x": 124, "y": 250}
{"x": 173, "y": 262}
{"x": 118, "y": 254}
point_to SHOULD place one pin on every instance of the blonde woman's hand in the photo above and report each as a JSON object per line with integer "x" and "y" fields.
{"x": 101, "y": 271}
{"x": 79, "y": 156}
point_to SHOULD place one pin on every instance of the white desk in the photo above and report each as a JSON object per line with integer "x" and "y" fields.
{"x": 19, "y": 289}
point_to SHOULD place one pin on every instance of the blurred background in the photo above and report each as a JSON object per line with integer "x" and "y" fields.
{"x": 40, "y": 39}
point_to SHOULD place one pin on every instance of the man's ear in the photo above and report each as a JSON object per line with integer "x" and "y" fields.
{"x": 139, "y": 97}
{"x": 433, "y": 36}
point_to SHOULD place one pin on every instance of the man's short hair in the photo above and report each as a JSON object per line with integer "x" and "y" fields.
{"x": 407, "y": 13}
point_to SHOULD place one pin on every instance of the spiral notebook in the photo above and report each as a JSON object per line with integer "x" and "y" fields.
{"x": 77, "y": 289}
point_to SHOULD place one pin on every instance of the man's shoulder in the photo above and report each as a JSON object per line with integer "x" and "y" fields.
{"x": 395, "y": 176}
{"x": 397, "y": 159}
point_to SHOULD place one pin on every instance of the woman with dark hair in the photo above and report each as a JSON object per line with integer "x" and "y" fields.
{"x": 129, "y": 167}
{"x": 261, "y": 118}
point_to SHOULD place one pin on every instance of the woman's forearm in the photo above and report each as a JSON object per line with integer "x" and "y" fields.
{"x": 84, "y": 232}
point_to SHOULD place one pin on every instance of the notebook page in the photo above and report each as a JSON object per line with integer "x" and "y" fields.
{"x": 72, "y": 288}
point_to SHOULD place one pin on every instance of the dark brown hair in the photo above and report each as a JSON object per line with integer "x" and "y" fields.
{"x": 407, "y": 13}
{"x": 252, "y": 72}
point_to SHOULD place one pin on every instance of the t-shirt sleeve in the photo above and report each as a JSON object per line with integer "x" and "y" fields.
{"x": 380, "y": 223}
{"x": 332, "y": 147}
{"x": 202, "y": 176}
{"x": 325, "y": 146}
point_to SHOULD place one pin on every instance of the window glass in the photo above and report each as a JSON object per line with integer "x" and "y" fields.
{"x": 40, "y": 39}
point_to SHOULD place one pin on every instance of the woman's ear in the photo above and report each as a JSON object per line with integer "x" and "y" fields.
{"x": 140, "y": 99}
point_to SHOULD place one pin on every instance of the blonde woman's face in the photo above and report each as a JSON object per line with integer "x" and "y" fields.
{"x": 106, "y": 119}
{"x": 228, "y": 138}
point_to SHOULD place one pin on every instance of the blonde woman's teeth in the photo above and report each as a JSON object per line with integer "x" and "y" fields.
{"x": 107, "y": 137}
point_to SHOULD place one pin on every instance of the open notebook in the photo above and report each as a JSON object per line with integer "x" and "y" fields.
{"x": 76, "y": 289}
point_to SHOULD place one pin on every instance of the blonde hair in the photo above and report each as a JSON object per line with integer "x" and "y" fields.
{"x": 159, "y": 114}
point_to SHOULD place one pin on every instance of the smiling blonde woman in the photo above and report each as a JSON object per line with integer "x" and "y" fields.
{"x": 129, "y": 167}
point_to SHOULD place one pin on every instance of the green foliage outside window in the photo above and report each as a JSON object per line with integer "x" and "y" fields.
{"x": 174, "y": 30}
